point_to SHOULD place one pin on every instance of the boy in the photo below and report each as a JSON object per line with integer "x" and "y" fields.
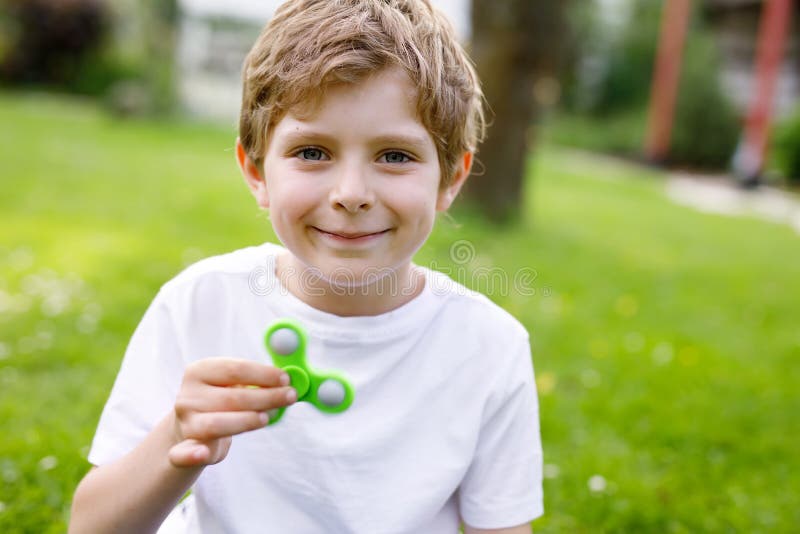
{"x": 358, "y": 124}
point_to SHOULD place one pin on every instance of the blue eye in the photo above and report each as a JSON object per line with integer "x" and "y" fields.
{"x": 311, "y": 154}
{"x": 396, "y": 157}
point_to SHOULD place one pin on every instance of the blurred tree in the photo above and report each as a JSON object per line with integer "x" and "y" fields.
{"x": 787, "y": 148}
{"x": 77, "y": 46}
{"x": 161, "y": 44}
{"x": 53, "y": 40}
{"x": 630, "y": 60}
{"x": 615, "y": 76}
{"x": 577, "y": 92}
{"x": 145, "y": 40}
{"x": 706, "y": 124}
{"x": 514, "y": 44}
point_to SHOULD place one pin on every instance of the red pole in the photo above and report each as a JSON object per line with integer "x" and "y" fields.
{"x": 772, "y": 34}
{"x": 664, "y": 89}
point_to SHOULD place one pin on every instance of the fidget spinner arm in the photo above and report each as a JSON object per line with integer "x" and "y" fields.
{"x": 330, "y": 392}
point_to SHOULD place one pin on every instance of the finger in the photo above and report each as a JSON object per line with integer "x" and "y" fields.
{"x": 235, "y": 399}
{"x": 235, "y": 371}
{"x": 215, "y": 425}
{"x": 189, "y": 453}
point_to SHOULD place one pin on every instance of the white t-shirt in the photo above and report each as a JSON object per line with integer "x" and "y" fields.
{"x": 443, "y": 426}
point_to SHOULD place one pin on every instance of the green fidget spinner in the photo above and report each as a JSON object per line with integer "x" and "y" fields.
{"x": 330, "y": 392}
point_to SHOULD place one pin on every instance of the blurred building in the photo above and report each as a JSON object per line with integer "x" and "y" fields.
{"x": 735, "y": 24}
{"x": 214, "y": 37}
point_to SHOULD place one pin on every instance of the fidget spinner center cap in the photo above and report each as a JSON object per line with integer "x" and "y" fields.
{"x": 299, "y": 380}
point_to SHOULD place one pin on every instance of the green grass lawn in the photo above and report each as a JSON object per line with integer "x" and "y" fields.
{"x": 666, "y": 342}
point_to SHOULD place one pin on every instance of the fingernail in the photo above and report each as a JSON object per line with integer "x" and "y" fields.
{"x": 291, "y": 395}
{"x": 264, "y": 418}
{"x": 285, "y": 379}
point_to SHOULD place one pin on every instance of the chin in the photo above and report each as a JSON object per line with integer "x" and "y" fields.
{"x": 353, "y": 273}
{"x": 346, "y": 277}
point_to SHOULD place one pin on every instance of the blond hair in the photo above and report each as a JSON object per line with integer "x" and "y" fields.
{"x": 311, "y": 44}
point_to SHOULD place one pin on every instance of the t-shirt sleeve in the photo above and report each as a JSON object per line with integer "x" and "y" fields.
{"x": 503, "y": 485}
{"x": 145, "y": 387}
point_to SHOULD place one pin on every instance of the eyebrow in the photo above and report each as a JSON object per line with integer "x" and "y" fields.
{"x": 413, "y": 141}
{"x": 416, "y": 142}
{"x": 299, "y": 136}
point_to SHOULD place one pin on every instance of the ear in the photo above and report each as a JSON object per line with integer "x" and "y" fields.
{"x": 252, "y": 176}
{"x": 448, "y": 194}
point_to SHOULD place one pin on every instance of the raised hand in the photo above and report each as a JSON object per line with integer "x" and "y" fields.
{"x": 219, "y": 398}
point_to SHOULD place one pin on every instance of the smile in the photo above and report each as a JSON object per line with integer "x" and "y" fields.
{"x": 350, "y": 237}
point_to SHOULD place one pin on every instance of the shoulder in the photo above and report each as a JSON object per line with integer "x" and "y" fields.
{"x": 472, "y": 312}
{"x": 237, "y": 262}
{"x": 244, "y": 269}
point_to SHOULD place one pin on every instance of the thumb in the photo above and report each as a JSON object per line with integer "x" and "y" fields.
{"x": 190, "y": 453}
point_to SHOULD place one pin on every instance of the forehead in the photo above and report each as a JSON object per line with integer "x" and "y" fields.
{"x": 386, "y": 97}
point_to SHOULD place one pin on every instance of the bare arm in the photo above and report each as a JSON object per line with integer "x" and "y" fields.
{"x": 136, "y": 493}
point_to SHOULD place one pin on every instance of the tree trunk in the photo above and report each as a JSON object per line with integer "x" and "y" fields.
{"x": 513, "y": 43}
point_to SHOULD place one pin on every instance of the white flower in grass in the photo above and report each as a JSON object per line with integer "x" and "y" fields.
{"x": 47, "y": 463}
{"x": 9, "y": 472}
{"x": 551, "y": 471}
{"x": 32, "y": 284}
{"x": 6, "y": 301}
{"x": 191, "y": 255}
{"x": 633, "y": 342}
{"x": 553, "y": 307}
{"x": 87, "y": 322}
{"x": 20, "y": 259}
{"x": 44, "y": 339}
{"x": 27, "y": 345}
{"x": 597, "y": 484}
{"x": 663, "y": 353}
{"x": 16, "y": 304}
{"x": 590, "y": 378}
{"x": 56, "y": 303}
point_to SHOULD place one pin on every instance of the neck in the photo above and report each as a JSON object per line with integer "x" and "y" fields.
{"x": 346, "y": 298}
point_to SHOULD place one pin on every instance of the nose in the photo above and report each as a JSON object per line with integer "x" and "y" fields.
{"x": 351, "y": 190}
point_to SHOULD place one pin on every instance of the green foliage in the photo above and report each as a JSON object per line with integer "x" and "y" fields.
{"x": 51, "y": 43}
{"x": 666, "y": 358}
{"x": 619, "y": 133}
{"x": 582, "y": 35}
{"x": 101, "y": 70}
{"x": 93, "y": 49}
{"x": 705, "y": 126}
{"x": 626, "y": 83}
{"x": 787, "y": 148}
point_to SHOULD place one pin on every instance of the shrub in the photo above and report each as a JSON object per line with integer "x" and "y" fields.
{"x": 53, "y": 41}
{"x": 88, "y": 47}
{"x": 706, "y": 127}
{"x": 786, "y": 147}
{"x": 630, "y": 60}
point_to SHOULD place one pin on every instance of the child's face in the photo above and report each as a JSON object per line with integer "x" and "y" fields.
{"x": 353, "y": 189}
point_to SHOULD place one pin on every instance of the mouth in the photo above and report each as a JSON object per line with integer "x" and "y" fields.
{"x": 351, "y": 236}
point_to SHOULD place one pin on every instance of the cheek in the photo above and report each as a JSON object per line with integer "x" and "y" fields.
{"x": 417, "y": 188}
{"x": 419, "y": 210}
{"x": 418, "y": 199}
{"x": 292, "y": 198}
